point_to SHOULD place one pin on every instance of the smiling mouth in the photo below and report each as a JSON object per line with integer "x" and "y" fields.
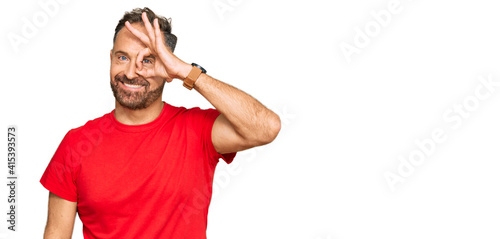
{"x": 132, "y": 86}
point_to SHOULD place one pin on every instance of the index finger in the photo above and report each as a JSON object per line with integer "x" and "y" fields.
{"x": 144, "y": 39}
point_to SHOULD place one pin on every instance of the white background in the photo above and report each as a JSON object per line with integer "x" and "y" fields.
{"x": 344, "y": 123}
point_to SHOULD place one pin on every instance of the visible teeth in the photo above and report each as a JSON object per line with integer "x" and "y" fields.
{"x": 132, "y": 86}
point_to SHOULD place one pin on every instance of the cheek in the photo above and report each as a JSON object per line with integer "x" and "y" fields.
{"x": 112, "y": 76}
{"x": 114, "y": 70}
{"x": 157, "y": 81}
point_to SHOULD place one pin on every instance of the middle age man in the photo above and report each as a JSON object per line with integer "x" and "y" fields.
{"x": 148, "y": 169}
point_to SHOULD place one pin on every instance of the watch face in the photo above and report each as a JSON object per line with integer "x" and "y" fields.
{"x": 201, "y": 68}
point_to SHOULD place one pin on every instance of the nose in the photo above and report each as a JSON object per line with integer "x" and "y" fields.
{"x": 131, "y": 71}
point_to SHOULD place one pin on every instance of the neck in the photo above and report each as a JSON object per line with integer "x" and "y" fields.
{"x": 138, "y": 117}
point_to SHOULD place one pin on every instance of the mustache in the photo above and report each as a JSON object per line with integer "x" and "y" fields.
{"x": 134, "y": 81}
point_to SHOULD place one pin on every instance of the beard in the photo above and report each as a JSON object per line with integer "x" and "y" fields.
{"x": 135, "y": 100}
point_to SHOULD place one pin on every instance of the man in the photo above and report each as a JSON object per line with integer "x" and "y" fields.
{"x": 145, "y": 170}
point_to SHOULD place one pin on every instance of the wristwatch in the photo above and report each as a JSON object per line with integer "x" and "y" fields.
{"x": 193, "y": 76}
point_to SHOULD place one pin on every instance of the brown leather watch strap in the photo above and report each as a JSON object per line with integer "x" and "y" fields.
{"x": 191, "y": 78}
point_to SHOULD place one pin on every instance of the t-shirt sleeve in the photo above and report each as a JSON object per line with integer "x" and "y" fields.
{"x": 206, "y": 123}
{"x": 60, "y": 175}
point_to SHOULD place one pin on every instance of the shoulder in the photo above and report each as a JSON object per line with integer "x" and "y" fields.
{"x": 102, "y": 124}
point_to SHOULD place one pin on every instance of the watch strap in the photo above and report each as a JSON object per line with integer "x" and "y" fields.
{"x": 192, "y": 77}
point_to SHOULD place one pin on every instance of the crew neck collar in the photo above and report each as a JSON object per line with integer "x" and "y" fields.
{"x": 141, "y": 127}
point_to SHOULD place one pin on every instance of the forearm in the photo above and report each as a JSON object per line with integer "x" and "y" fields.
{"x": 54, "y": 233}
{"x": 60, "y": 219}
{"x": 249, "y": 118}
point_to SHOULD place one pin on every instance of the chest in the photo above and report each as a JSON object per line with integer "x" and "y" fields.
{"x": 124, "y": 173}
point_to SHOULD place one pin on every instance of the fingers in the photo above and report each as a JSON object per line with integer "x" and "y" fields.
{"x": 149, "y": 28}
{"x": 144, "y": 39}
{"x": 140, "y": 57}
{"x": 155, "y": 46}
{"x": 158, "y": 35}
{"x": 153, "y": 37}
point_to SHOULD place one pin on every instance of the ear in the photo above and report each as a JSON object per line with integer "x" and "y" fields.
{"x": 111, "y": 54}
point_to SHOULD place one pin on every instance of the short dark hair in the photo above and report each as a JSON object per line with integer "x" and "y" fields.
{"x": 136, "y": 16}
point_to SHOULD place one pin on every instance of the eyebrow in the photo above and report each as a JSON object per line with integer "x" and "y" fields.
{"x": 120, "y": 52}
{"x": 126, "y": 54}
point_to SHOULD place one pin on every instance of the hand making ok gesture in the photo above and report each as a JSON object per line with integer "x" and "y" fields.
{"x": 157, "y": 59}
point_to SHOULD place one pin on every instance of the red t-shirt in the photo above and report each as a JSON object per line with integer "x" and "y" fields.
{"x": 144, "y": 181}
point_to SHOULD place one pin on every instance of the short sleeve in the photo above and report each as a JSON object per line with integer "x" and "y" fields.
{"x": 206, "y": 122}
{"x": 60, "y": 175}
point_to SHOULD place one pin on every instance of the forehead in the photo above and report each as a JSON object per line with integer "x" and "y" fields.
{"x": 128, "y": 42}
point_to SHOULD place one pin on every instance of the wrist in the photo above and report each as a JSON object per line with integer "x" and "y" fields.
{"x": 192, "y": 77}
{"x": 184, "y": 70}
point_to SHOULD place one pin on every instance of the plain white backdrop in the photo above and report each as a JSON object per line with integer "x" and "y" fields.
{"x": 356, "y": 84}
